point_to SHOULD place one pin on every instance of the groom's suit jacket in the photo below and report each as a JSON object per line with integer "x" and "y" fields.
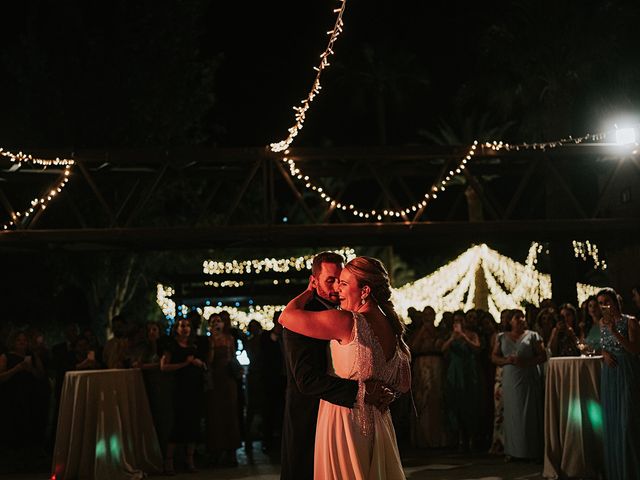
{"x": 307, "y": 383}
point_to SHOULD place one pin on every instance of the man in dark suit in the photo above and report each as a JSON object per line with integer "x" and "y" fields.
{"x": 308, "y": 380}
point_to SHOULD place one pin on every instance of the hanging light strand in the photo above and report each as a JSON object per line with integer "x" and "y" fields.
{"x": 438, "y": 187}
{"x": 39, "y": 203}
{"x": 164, "y": 300}
{"x": 26, "y": 158}
{"x": 212, "y": 267}
{"x": 301, "y": 111}
{"x": 593, "y": 137}
{"x": 435, "y": 190}
{"x": 510, "y": 284}
{"x": 587, "y": 249}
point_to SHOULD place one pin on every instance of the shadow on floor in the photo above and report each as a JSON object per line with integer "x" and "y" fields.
{"x": 418, "y": 464}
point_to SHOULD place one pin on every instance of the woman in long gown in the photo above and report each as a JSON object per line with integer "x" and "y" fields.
{"x": 497, "y": 440}
{"x": 223, "y": 427}
{"x": 366, "y": 343}
{"x": 427, "y": 427}
{"x": 181, "y": 358}
{"x": 462, "y": 384}
{"x": 520, "y": 352}
{"x": 620, "y": 389}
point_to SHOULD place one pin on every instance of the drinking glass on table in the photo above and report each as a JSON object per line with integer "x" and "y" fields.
{"x": 582, "y": 346}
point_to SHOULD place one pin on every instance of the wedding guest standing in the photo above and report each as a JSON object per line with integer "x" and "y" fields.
{"x": 223, "y": 427}
{"x": 573, "y": 319}
{"x": 564, "y": 336}
{"x": 181, "y": 359}
{"x": 497, "y": 440}
{"x": 546, "y": 320}
{"x": 462, "y": 387}
{"x": 114, "y": 350}
{"x": 592, "y": 315}
{"x": 255, "y": 399}
{"x": 620, "y": 389}
{"x": 427, "y": 427}
{"x": 23, "y": 412}
{"x": 274, "y": 385}
{"x": 159, "y": 385}
{"x": 487, "y": 327}
{"x": 519, "y": 352}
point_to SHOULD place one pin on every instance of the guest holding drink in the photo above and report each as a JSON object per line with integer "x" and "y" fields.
{"x": 620, "y": 388}
{"x": 520, "y": 352}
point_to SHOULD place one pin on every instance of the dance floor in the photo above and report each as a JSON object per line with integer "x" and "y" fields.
{"x": 419, "y": 464}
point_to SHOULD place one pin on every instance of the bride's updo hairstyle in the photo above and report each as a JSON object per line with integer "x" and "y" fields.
{"x": 371, "y": 272}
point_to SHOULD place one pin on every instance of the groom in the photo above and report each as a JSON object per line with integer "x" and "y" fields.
{"x": 308, "y": 380}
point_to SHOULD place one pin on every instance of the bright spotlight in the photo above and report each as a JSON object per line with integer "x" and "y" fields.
{"x": 625, "y": 136}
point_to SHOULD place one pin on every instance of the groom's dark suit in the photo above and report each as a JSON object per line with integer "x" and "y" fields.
{"x": 307, "y": 383}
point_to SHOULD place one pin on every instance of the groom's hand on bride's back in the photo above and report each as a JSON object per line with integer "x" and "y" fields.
{"x": 378, "y": 395}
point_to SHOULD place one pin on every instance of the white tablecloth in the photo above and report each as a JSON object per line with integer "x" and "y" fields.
{"x": 573, "y": 418}
{"x": 105, "y": 430}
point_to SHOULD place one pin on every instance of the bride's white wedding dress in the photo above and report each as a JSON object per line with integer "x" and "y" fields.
{"x": 360, "y": 443}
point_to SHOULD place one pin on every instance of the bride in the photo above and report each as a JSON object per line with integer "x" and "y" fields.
{"x": 366, "y": 343}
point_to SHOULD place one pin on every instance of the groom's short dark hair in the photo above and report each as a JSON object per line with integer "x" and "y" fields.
{"x": 325, "y": 257}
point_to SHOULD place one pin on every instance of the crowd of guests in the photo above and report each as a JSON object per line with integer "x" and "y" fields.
{"x": 199, "y": 395}
{"x": 479, "y": 383}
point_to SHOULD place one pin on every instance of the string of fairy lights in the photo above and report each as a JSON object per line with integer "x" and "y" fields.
{"x": 262, "y": 313}
{"x": 587, "y": 249}
{"x": 593, "y": 137}
{"x": 301, "y": 111}
{"x": 41, "y": 202}
{"x": 453, "y": 286}
{"x": 225, "y": 284}
{"x": 258, "y": 265}
{"x": 21, "y": 157}
{"x": 374, "y": 214}
{"x": 313, "y": 185}
{"x": 239, "y": 318}
{"x": 510, "y": 284}
{"x": 438, "y": 187}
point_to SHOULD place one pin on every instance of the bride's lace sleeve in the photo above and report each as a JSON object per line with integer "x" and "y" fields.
{"x": 362, "y": 335}
{"x": 402, "y": 381}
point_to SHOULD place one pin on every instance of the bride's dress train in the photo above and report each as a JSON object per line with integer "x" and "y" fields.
{"x": 360, "y": 443}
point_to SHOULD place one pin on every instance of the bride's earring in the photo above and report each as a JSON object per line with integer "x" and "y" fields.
{"x": 362, "y": 301}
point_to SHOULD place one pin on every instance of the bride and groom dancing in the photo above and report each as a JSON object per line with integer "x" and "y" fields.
{"x": 337, "y": 423}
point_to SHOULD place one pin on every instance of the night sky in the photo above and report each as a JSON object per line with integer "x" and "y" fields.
{"x": 129, "y": 73}
{"x": 146, "y": 73}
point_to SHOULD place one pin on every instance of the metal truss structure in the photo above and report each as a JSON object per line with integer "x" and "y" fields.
{"x": 206, "y": 198}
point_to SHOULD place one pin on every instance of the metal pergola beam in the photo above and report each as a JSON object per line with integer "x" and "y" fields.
{"x": 423, "y": 233}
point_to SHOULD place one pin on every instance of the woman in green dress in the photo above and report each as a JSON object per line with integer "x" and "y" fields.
{"x": 462, "y": 383}
{"x": 520, "y": 352}
{"x": 619, "y": 389}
